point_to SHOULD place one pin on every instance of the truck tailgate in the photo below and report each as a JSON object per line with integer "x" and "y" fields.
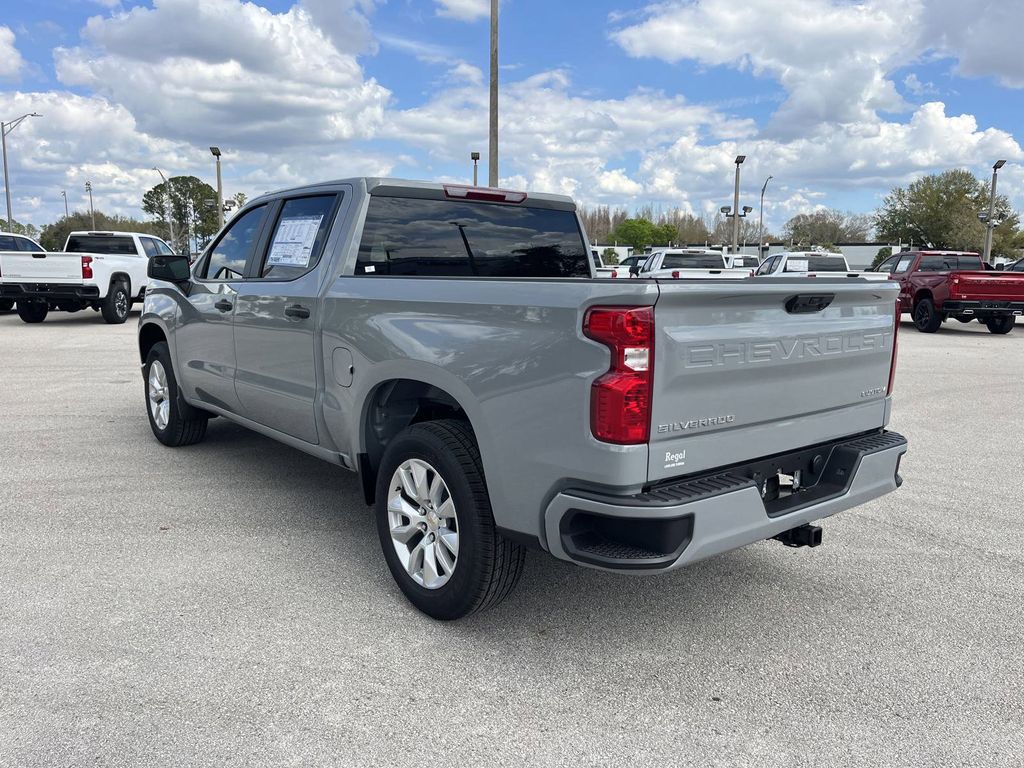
{"x": 41, "y": 267}
{"x": 753, "y": 369}
{"x": 991, "y": 286}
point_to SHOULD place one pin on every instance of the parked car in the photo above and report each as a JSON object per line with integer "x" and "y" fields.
{"x": 690, "y": 263}
{"x": 628, "y": 267}
{"x": 451, "y": 346}
{"x": 102, "y": 270}
{"x": 1017, "y": 266}
{"x": 12, "y": 243}
{"x": 811, "y": 264}
{"x": 937, "y": 285}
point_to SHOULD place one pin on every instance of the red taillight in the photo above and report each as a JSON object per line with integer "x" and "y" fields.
{"x": 87, "y": 267}
{"x": 620, "y": 401}
{"x": 483, "y": 193}
{"x": 675, "y": 273}
{"x": 615, "y": 273}
{"x": 895, "y": 347}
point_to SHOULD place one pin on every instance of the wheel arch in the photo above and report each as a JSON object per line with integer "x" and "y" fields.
{"x": 120, "y": 277}
{"x": 150, "y": 334}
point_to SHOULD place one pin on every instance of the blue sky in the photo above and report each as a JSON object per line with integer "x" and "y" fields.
{"x": 610, "y": 101}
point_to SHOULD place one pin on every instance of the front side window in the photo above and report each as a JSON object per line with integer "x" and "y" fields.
{"x": 455, "y": 238}
{"x": 8, "y": 243}
{"x": 163, "y": 248}
{"x": 1017, "y": 267}
{"x": 227, "y": 258}
{"x": 298, "y": 238}
{"x": 765, "y": 268}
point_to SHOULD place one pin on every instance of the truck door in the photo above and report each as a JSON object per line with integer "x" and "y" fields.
{"x": 277, "y": 314}
{"x": 205, "y": 336}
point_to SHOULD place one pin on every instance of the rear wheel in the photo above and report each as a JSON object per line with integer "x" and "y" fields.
{"x": 435, "y": 523}
{"x": 116, "y": 304}
{"x": 1000, "y": 325}
{"x": 173, "y": 421}
{"x": 926, "y": 319}
{"x": 33, "y": 311}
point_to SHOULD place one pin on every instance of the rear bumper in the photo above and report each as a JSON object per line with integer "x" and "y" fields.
{"x": 48, "y": 291}
{"x": 680, "y": 522}
{"x": 983, "y": 308}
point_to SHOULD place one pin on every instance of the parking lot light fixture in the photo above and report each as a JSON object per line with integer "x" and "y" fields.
{"x": 215, "y": 151}
{"x": 6, "y": 128}
{"x": 736, "y": 206}
{"x": 990, "y": 221}
{"x": 475, "y": 157}
{"x": 760, "y": 218}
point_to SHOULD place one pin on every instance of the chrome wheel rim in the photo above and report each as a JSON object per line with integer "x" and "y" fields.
{"x": 121, "y": 303}
{"x": 159, "y": 401}
{"x": 423, "y": 523}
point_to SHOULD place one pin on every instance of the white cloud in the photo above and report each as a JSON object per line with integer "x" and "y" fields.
{"x": 10, "y": 58}
{"x": 228, "y": 71}
{"x": 464, "y": 10}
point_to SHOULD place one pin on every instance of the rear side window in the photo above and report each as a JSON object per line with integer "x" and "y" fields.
{"x": 112, "y": 244}
{"x": 227, "y": 258}
{"x": 150, "y": 245}
{"x": 298, "y": 238}
{"x": 447, "y": 238}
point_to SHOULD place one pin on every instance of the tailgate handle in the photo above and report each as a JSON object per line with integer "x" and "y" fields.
{"x": 807, "y": 303}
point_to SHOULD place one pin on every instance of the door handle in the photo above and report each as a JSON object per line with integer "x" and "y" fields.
{"x": 224, "y": 305}
{"x": 296, "y": 310}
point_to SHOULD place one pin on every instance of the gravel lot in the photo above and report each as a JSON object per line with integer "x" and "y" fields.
{"x": 227, "y": 604}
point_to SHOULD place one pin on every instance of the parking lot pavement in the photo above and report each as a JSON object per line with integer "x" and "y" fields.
{"x": 227, "y": 604}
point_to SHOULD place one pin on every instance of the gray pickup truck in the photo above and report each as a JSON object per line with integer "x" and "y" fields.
{"x": 452, "y": 346}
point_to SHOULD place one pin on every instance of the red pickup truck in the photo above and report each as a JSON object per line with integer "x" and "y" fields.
{"x": 936, "y": 285}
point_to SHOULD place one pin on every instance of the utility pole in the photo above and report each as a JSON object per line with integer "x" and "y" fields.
{"x": 990, "y": 222}
{"x": 736, "y": 207}
{"x": 215, "y": 151}
{"x": 64, "y": 194}
{"x": 168, "y": 216}
{"x": 6, "y": 128}
{"x": 492, "y": 158}
{"x": 760, "y": 220}
{"x": 92, "y": 211}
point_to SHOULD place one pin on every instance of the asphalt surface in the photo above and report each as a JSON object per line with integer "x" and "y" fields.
{"x": 227, "y": 604}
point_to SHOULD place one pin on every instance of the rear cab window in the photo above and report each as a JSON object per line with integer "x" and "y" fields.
{"x": 812, "y": 263}
{"x": 456, "y": 238}
{"x": 692, "y": 261}
{"x": 109, "y": 244}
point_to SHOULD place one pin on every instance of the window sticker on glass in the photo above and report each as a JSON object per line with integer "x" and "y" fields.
{"x": 293, "y": 241}
{"x": 797, "y": 265}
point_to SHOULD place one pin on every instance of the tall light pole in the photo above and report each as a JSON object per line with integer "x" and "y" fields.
{"x": 92, "y": 211}
{"x": 6, "y": 128}
{"x": 64, "y": 194}
{"x": 760, "y": 219}
{"x": 215, "y": 151}
{"x": 990, "y": 223}
{"x": 475, "y": 157}
{"x": 736, "y": 207}
{"x": 168, "y": 216}
{"x": 492, "y": 157}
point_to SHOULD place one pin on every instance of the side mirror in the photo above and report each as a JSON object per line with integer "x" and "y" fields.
{"x": 1000, "y": 267}
{"x": 634, "y": 270}
{"x": 171, "y": 269}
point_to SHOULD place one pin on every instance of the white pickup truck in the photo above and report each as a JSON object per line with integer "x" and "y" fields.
{"x": 16, "y": 243}
{"x": 102, "y": 270}
{"x": 811, "y": 264}
{"x": 691, "y": 263}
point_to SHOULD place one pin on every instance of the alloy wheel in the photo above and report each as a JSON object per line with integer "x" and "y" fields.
{"x": 423, "y": 523}
{"x": 159, "y": 399}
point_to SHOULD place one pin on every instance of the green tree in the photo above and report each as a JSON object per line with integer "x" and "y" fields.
{"x": 666, "y": 234}
{"x": 638, "y": 233}
{"x": 54, "y": 236}
{"x": 610, "y": 256}
{"x": 827, "y": 226}
{"x": 185, "y": 200}
{"x": 883, "y": 253}
{"x": 29, "y": 230}
{"x": 941, "y": 211}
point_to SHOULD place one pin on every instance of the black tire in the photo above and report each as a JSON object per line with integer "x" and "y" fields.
{"x": 33, "y": 311}
{"x": 488, "y": 566}
{"x": 185, "y": 425}
{"x": 926, "y": 319}
{"x": 117, "y": 303}
{"x": 6, "y": 305}
{"x": 1000, "y": 325}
